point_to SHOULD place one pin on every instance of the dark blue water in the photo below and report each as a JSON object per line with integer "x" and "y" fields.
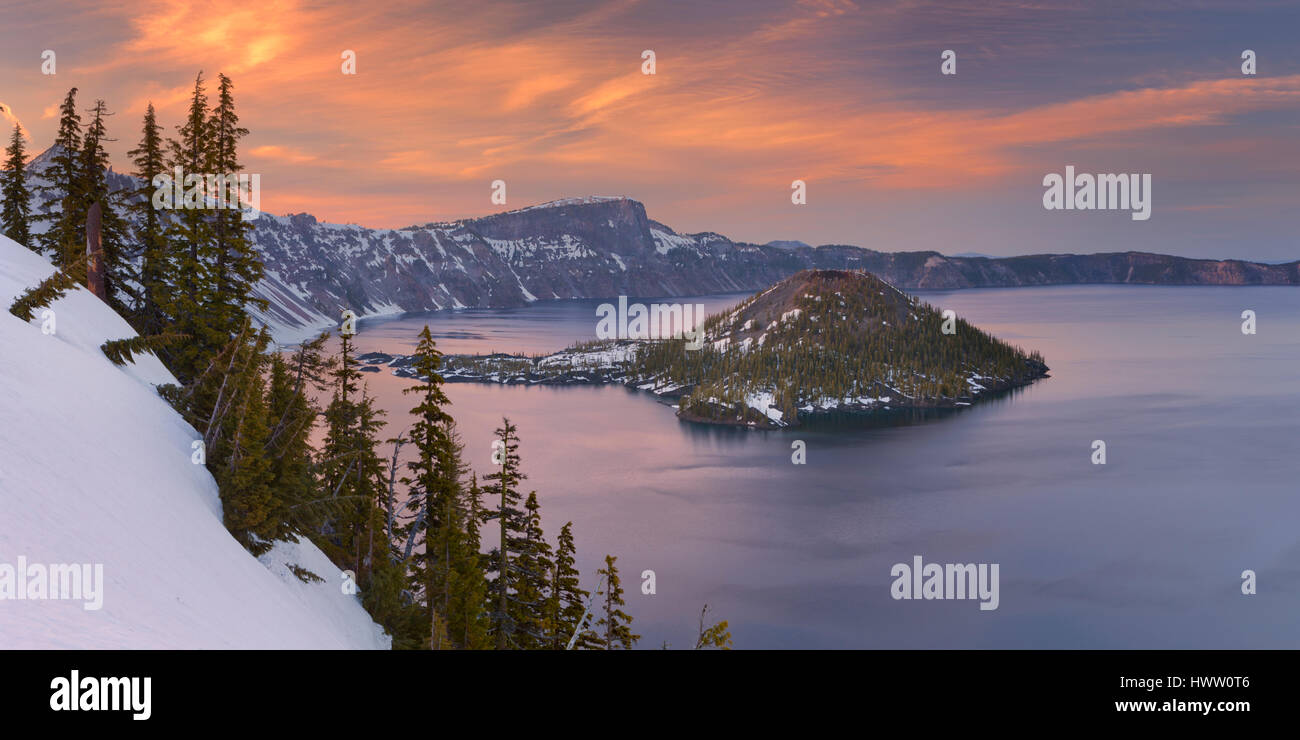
{"x": 1201, "y": 423}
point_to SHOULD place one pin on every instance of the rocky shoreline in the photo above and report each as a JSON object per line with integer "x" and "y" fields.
{"x": 565, "y": 368}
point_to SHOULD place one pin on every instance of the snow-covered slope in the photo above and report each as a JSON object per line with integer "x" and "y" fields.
{"x": 95, "y": 469}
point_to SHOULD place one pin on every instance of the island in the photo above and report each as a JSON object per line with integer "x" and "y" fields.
{"x": 816, "y": 344}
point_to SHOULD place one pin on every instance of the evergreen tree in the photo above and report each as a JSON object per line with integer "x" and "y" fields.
{"x": 533, "y": 567}
{"x": 15, "y": 217}
{"x": 236, "y": 268}
{"x": 566, "y": 600}
{"x": 93, "y": 188}
{"x": 474, "y": 516}
{"x": 149, "y": 159}
{"x": 503, "y": 488}
{"x": 352, "y": 472}
{"x": 191, "y": 245}
{"x": 430, "y": 484}
{"x": 65, "y": 239}
{"x": 292, "y": 414}
{"x": 458, "y": 582}
{"x": 237, "y": 449}
{"x": 466, "y": 586}
{"x": 614, "y": 628}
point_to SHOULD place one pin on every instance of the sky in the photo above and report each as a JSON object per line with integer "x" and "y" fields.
{"x": 747, "y": 96}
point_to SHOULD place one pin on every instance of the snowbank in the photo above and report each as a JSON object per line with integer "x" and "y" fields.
{"x": 95, "y": 469}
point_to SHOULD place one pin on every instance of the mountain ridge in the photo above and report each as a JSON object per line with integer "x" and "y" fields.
{"x": 606, "y": 246}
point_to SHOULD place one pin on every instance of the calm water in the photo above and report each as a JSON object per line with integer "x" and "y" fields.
{"x": 1201, "y": 422}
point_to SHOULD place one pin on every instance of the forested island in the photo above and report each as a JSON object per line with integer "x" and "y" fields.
{"x": 820, "y": 342}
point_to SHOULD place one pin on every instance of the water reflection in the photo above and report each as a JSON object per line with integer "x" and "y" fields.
{"x": 1146, "y": 551}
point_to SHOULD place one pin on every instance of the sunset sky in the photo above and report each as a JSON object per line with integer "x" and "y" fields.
{"x": 748, "y": 96}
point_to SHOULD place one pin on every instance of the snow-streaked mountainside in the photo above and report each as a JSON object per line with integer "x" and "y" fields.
{"x": 606, "y": 246}
{"x": 95, "y": 468}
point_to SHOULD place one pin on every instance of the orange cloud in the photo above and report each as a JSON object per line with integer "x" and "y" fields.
{"x": 552, "y": 100}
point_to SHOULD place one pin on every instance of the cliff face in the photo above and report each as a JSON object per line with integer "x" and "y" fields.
{"x": 599, "y": 247}
{"x": 603, "y": 247}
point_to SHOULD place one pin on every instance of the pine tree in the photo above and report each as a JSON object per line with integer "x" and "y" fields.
{"x": 238, "y": 452}
{"x": 503, "y": 488}
{"x": 191, "y": 246}
{"x": 353, "y": 475}
{"x": 429, "y": 483}
{"x": 458, "y": 582}
{"x": 533, "y": 571}
{"x": 566, "y": 600}
{"x": 236, "y": 268}
{"x": 149, "y": 159}
{"x": 93, "y": 188}
{"x": 614, "y": 628}
{"x": 292, "y": 415}
{"x": 65, "y": 239}
{"x": 16, "y": 216}
{"x": 466, "y": 586}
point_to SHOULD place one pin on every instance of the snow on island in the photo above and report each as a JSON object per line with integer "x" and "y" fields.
{"x": 95, "y": 469}
{"x": 799, "y": 350}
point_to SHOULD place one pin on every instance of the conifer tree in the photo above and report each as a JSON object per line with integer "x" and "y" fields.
{"x": 468, "y": 611}
{"x": 149, "y": 159}
{"x": 614, "y": 627}
{"x": 503, "y": 490}
{"x": 474, "y": 515}
{"x": 566, "y": 599}
{"x": 238, "y": 453}
{"x": 430, "y": 485}
{"x": 93, "y": 188}
{"x": 236, "y": 267}
{"x": 458, "y": 582}
{"x": 292, "y": 416}
{"x": 352, "y": 472}
{"x": 533, "y": 566}
{"x": 65, "y": 239}
{"x": 191, "y": 245}
{"x": 466, "y": 589}
{"x": 15, "y": 217}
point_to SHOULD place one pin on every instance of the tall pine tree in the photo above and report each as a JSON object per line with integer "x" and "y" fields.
{"x": 236, "y": 267}
{"x": 149, "y": 159}
{"x": 502, "y": 490}
{"x": 64, "y": 209}
{"x": 190, "y": 234}
{"x": 93, "y": 188}
{"x": 16, "y": 216}
{"x": 533, "y": 567}
{"x": 429, "y": 482}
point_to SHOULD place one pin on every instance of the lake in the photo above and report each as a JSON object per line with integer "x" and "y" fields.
{"x": 1202, "y": 431}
